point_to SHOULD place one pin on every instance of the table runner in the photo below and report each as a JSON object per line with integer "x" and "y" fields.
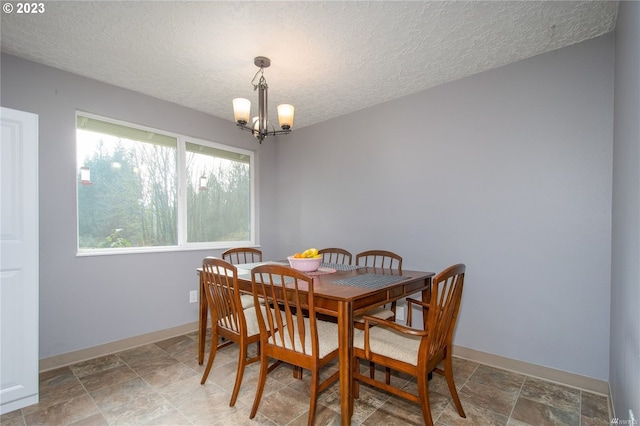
{"x": 249, "y": 266}
{"x": 321, "y": 271}
{"x": 244, "y": 269}
{"x": 244, "y": 276}
{"x": 372, "y": 281}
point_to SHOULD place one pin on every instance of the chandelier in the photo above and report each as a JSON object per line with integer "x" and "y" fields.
{"x": 261, "y": 124}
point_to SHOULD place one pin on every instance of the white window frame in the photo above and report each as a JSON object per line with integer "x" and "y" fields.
{"x": 182, "y": 244}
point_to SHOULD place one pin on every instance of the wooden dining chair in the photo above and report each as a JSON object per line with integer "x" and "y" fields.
{"x": 335, "y": 255}
{"x": 238, "y": 255}
{"x": 379, "y": 259}
{"x": 229, "y": 319}
{"x": 287, "y": 334}
{"x": 413, "y": 351}
{"x": 383, "y": 259}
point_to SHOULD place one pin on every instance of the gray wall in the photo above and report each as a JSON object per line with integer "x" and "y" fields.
{"x": 508, "y": 171}
{"x": 624, "y": 370}
{"x": 87, "y": 301}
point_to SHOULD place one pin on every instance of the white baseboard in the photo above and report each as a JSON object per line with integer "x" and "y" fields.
{"x": 8, "y": 407}
{"x": 69, "y": 358}
{"x": 561, "y": 377}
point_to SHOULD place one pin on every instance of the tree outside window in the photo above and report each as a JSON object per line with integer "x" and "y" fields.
{"x": 128, "y": 198}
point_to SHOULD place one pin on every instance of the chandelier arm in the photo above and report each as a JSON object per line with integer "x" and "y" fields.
{"x": 244, "y": 127}
{"x": 270, "y": 132}
{"x": 279, "y": 132}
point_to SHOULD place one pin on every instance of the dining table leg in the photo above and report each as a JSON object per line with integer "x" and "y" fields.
{"x": 345, "y": 355}
{"x": 202, "y": 322}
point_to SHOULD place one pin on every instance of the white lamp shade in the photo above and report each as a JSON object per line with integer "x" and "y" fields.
{"x": 285, "y": 116}
{"x": 241, "y": 110}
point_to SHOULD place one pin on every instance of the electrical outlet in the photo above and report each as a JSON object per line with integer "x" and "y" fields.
{"x": 193, "y": 296}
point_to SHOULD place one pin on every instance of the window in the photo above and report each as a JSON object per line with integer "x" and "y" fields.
{"x": 142, "y": 189}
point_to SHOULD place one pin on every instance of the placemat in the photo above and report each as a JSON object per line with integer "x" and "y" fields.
{"x": 265, "y": 278}
{"x": 372, "y": 281}
{"x": 341, "y": 267}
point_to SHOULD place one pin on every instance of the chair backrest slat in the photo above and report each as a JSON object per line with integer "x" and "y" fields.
{"x": 239, "y": 255}
{"x": 446, "y": 294}
{"x": 379, "y": 259}
{"x": 223, "y": 296}
{"x": 336, "y": 255}
{"x": 289, "y": 293}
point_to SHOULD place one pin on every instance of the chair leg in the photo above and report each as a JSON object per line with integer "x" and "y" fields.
{"x": 448, "y": 374}
{"x": 212, "y": 355}
{"x": 242, "y": 362}
{"x": 356, "y": 383}
{"x": 313, "y": 400}
{"x": 264, "y": 367}
{"x": 423, "y": 395}
{"x": 372, "y": 366}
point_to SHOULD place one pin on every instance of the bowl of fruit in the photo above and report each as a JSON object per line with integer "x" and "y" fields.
{"x": 307, "y": 261}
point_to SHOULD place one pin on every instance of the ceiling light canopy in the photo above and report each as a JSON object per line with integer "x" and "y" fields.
{"x": 261, "y": 124}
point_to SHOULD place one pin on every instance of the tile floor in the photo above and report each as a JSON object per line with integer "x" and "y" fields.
{"x": 159, "y": 384}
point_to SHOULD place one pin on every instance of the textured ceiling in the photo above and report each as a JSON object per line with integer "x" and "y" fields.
{"x": 327, "y": 58}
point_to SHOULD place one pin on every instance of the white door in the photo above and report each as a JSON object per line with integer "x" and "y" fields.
{"x": 18, "y": 260}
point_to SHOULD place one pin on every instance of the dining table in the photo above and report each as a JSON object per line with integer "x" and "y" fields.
{"x": 343, "y": 292}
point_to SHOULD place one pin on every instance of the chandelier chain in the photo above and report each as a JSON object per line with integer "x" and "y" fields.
{"x": 262, "y": 82}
